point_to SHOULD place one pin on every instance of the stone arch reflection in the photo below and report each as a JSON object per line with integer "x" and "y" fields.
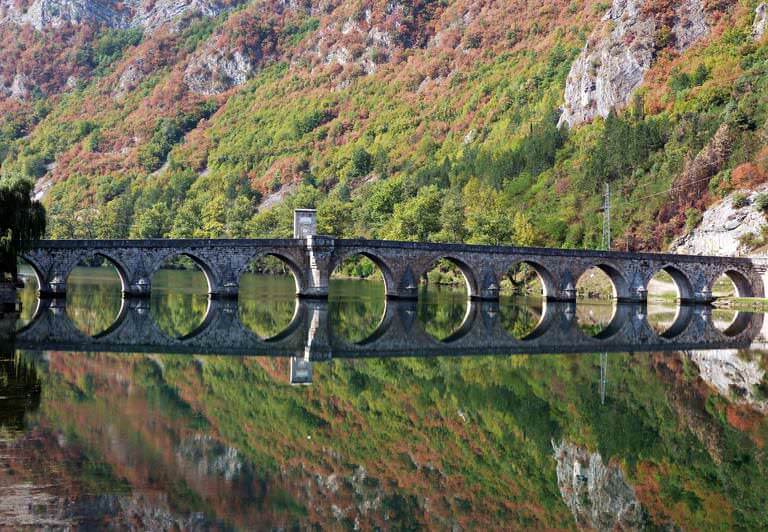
{"x": 357, "y": 297}
{"x": 27, "y": 292}
{"x": 266, "y": 300}
{"x": 179, "y": 296}
{"x": 95, "y": 287}
{"x": 446, "y": 286}
{"x": 729, "y": 322}
{"x": 668, "y": 295}
{"x": 524, "y": 318}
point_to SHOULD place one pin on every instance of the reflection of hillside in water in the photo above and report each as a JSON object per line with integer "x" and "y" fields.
{"x": 163, "y": 437}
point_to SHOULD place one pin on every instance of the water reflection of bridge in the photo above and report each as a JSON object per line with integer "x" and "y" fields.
{"x": 310, "y": 335}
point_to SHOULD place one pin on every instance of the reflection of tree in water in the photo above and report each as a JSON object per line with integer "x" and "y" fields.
{"x": 266, "y": 317}
{"x": 19, "y": 390}
{"x": 93, "y": 299}
{"x": 442, "y": 311}
{"x": 178, "y": 314}
{"x": 520, "y": 316}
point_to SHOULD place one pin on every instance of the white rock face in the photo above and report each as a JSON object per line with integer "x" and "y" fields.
{"x": 721, "y": 228}
{"x": 155, "y": 15}
{"x": 109, "y": 13}
{"x": 619, "y": 53}
{"x": 761, "y": 22}
{"x": 54, "y": 13}
{"x": 732, "y": 376}
{"x": 216, "y": 71}
{"x": 598, "y": 495}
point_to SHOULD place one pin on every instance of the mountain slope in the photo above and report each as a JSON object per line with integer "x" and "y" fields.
{"x": 425, "y": 120}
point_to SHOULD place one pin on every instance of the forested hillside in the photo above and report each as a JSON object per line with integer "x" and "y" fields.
{"x": 484, "y": 121}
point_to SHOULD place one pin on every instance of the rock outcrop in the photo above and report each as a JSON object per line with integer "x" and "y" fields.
{"x": 733, "y": 377}
{"x": 723, "y": 228}
{"x": 54, "y": 13}
{"x": 761, "y": 22}
{"x": 620, "y": 52}
{"x": 598, "y": 495}
{"x": 216, "y": 71}
{"x": 150, "y": 16}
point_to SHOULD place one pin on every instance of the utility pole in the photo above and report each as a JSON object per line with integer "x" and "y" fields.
{"x": 607, "y": 218}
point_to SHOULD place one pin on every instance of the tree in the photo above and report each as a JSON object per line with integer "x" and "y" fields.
{"x": 453, "y": 220}
{"x": 22, "y": 220}
{"x": 488, "y": 215}
{"x": 523, "y": 231}
{"x": 151, "y": 223}
{"x": 417, "y": 219}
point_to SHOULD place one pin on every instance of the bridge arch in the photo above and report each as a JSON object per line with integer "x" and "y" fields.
{"x": 619, "y": 284}
{"x": 683, "y": 284}
{"x": 390, "y": 285}
{"x": 740, "y": 281}
{"x": 293, "y": 267}
{"x": 208, "y": 272}
{"x": 122, "y": 271}
{"x": 547, "y": 280}
{"x": 36, "y": 270}
{"x": 470, "y": 277}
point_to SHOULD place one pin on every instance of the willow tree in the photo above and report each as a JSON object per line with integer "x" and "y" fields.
{"x": 22, "y": 220}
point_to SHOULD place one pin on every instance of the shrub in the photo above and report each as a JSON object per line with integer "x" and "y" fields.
{"x": 761, "y": 202}
{"x": 693, "y": 218}
{"x": 739, "y": 200}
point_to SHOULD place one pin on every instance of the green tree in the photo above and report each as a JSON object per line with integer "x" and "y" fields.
{"x": 522, "y": 230}
{"x": 452, "y": 219}
{"x": 21, "y": 220}
{"x": 417, "y": 219}
{"x": 152, "y": 223}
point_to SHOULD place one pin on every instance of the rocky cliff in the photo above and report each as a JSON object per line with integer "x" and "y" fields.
{"x": 622, "y": 49}
{"x": 596, "y": 493}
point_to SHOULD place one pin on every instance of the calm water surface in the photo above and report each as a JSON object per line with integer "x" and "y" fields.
{"x": 634, "y": 441}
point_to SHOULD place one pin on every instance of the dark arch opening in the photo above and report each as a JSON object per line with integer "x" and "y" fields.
{"x": 445, "y": 289}
{"x": 94, "y": 294}
{"x": 357, "y": 297}
{"x": 27, "y": 293}
{"x": 179, "y": 296}
{"x": 266, "y": 298}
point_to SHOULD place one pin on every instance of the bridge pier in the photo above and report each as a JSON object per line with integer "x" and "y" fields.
{"x": 319, "y": 252}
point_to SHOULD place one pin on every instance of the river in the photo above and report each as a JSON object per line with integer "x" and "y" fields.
{"x": 614, "y": 440}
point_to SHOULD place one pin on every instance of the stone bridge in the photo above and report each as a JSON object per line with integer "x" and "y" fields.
{"x": 312, "y": 259}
